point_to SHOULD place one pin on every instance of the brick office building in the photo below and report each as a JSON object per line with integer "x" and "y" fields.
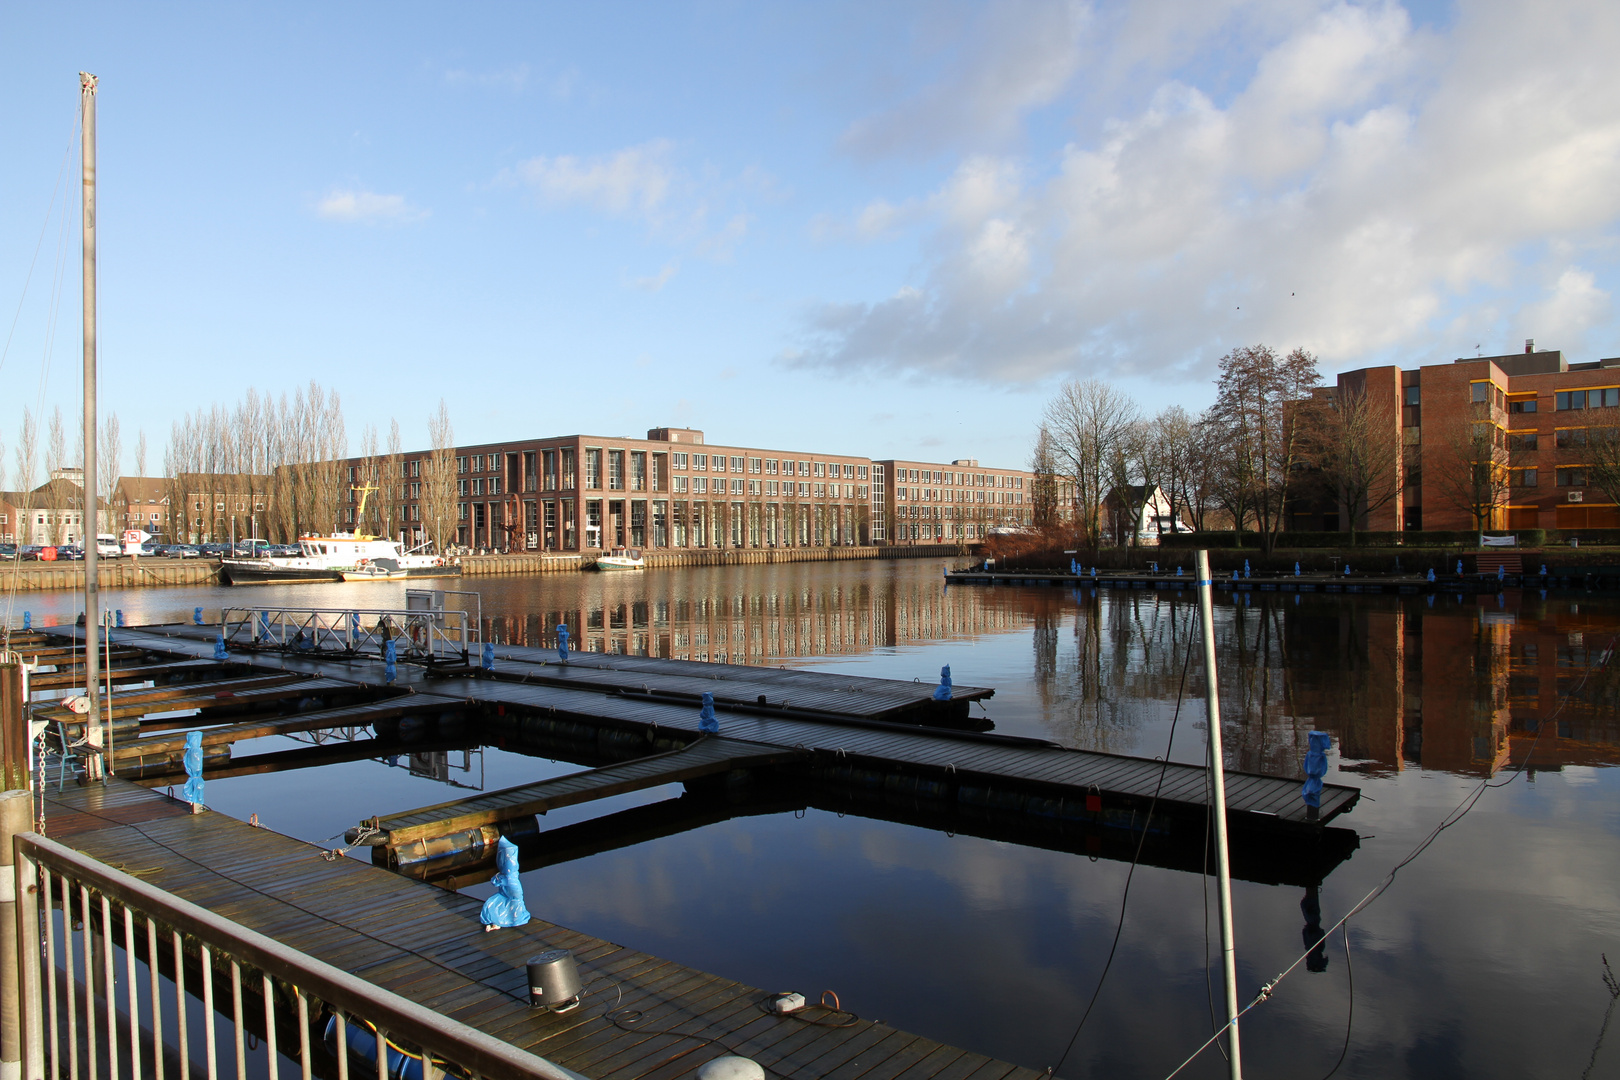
{"x": 1539, "y": 409}
{"x": 671, "y": 490}
{"x": 922, "y": 502}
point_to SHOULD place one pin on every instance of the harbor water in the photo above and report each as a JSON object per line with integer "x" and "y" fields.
{"x": 1483, "y": 957}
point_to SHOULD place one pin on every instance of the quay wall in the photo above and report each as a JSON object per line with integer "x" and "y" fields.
{"x": 536, "y": 563}
{"x": 110, "y": 574}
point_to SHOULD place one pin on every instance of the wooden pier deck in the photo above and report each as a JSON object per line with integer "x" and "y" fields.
{"x": 428, "y": 945}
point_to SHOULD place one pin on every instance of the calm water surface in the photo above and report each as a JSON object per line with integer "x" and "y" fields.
{"x": 1484, "y": 959}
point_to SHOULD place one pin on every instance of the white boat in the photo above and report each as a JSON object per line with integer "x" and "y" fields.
{"x": 340, "y": 556}
{"x": 621, "y": 559}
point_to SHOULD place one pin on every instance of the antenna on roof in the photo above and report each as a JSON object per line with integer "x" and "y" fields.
{"x": 1529, "y": 344}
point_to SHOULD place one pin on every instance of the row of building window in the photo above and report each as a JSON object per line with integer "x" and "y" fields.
{"x": 767, "y": 466}
{"x": 957, "y": 479}
{"x": 1563, "y": 438}
{"x": 1570, "y": 476}
{"x": 957, "y": 495}
{"x": 1605, "y": 397}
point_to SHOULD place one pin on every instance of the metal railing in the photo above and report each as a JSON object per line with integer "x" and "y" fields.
{"x": 172, "y": 940}
{"x": 423, "y": 636}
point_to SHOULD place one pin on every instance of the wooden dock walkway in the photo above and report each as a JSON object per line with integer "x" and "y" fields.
{"x": 427, "y": 944}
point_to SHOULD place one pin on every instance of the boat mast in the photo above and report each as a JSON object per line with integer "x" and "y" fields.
{"x": 1212, "y": 710}
{"x": 90, "y": 520}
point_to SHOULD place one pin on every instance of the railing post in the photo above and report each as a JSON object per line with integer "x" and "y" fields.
{"x": 16, "y": 812}
{"x": 26, "y": 946}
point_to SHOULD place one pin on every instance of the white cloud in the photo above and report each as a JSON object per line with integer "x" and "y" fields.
{"x": 636, "y": 178}
{"x": 701, "y": 208}
{"x": 656, "y": 282}
{"x": 514, "y": 78}
{"x": 1027, "y": 53}
{"x": 1363, "y": 187}
{"x": 368, "y": 207}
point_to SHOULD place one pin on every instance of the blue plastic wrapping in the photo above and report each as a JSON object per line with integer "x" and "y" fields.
{"x": 118, "y": 616}
{"x": 506, "y": 907}
{"x": 196, "y": 616}
{"x": 390, "y": 660}
{"x": 942, "y": 692}
{"x": 28, "y": 620}
{"x": 193, "y": 761}
{"x": 363, "y": 1044}
{"x": 488, "y": 661}
{"x": 1316, "y": 766}
{"x": 562, "y": 642}
{"x": 220, "y": 652}
{"x": 708, "y": 723}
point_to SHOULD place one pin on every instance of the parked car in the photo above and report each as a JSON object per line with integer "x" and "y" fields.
{"x": 71, "y": 552}
{"x": 185, "y": 551}
{"x": 8, "y": 551}
{"x": 29, "y": 552}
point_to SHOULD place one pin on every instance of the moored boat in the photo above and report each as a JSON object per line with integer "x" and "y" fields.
{"x": 621, "y": 559}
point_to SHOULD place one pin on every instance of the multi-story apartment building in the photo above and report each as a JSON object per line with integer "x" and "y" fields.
{"x": 1539, "y": 414}
{"x": 924, "y": 502}
{"x": 675, "y": 490}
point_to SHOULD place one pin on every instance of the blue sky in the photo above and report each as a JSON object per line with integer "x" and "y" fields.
{"x": 884, "y": 229}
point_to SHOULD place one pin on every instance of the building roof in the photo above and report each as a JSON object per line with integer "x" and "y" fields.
{"x": 143, "y": 489}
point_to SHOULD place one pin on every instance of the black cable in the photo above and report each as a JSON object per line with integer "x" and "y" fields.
{"x": 1350, "y": 1014}
{"x": 1459, "y": 812}
{"x": 1125, "y": 895}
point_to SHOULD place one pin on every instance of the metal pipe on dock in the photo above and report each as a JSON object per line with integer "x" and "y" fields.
{"x": 1212, "y": 710}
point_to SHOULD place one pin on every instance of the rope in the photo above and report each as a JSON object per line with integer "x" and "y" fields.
{"x": 364, "y": 833}
{"x": 1125, "y": 896}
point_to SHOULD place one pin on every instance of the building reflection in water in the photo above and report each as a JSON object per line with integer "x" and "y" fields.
{"x": 1464, "y": 685}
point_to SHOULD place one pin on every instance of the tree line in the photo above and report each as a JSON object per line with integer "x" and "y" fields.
{"x": 1272, "y": 440}
{"x": 273, "y": 467}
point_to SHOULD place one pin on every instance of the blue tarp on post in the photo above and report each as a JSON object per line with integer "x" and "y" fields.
{"x": 193, "y": 761}
{"x": 1316, "y": 767}
{"x": 562, "y": 642}
{"x": 506, "y": 907}
{"x": 942, "y": 692}
{"x": 708, "y": 723}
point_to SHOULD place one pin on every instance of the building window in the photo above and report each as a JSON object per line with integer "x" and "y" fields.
{"x": 1528, "y": 405}
{"x": 736, "y": 464}
{"x": 700, "y": 485}
{"x": 1572, "y": 477}
{"x": 638, "y": 470}
{"x": 680, "y": 485}
{"x": 753, "y": 487}
{"x": 1607, "y": 398}
{"x": 804, "y": 468}
{"x": 461, "y": 464}
{"x": 1524, "y": 478}
{"x": 615, "y": 470}
{"x": 770, "y": 488}
{"x": 1522, "y": 440}
{"x": 1568, "y": 437}
{"x": 1480, "y": 391}
{"x": 770, "y": 466}
{"x": 755, "y": 465}
{"x": 1569, "y": 399}
{"x": 700, "y": 462}
{"x": 736, "y": 487}
{"x": 593, "y": 468}
{"x": 677, "y": 461}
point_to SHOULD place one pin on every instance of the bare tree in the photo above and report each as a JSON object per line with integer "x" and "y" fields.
{"x": 1603, "y": 461}
{"x": 1473, "y": 473}
{"x": 56, "y": 500}
{"x": 27, "y": 446}
{"x": 1088, "y": 422}
{"x": 1359, "y": 462}
{"x": 1044, "y": 493}
{"x": 109, "y": 459}
{"x": 1256, "y": 415}
{"x": 439, "y": 479}
{"x": 393, "y": 486}
{"x": 140, "y": 452}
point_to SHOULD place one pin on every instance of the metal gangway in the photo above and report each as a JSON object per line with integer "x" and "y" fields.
{"x": 424, "y": 635}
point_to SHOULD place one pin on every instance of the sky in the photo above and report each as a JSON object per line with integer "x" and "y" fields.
{"x": 879, "y": 229}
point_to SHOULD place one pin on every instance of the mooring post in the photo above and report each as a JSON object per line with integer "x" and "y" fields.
{"x": 1223, "y": 866}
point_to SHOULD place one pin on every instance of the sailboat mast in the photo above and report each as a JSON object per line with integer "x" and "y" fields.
{"x": 90, "y": 520}
{"x": 1223, "y": 866}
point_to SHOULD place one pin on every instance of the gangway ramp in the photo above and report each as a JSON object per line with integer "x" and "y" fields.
{"x": 706, "y": 756}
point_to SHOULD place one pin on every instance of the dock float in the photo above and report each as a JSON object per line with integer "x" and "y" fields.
{"x": 474, "y": 823}
{"x": 330, "y": 908}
